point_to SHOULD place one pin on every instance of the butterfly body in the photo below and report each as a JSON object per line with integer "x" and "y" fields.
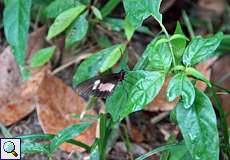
{"x": 100, "y": 86}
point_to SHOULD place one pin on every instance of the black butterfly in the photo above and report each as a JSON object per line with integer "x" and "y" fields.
{"x": 100, "y": 86}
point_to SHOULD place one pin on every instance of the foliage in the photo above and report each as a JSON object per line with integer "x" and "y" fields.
{"x": 166, "y": 55}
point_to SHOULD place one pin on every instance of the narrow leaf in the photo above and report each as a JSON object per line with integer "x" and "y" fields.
{"x": 180, "y": 85}
{"x": 31, "y": 148}
{"x": 200, "y": 49}
{"x": 67, "y": 134}
{"x": 64, "y": 19}
{"x": 108, "y": 7}
{"x": 129, "y": 29}
{"x": 16, "y": 21}
{"x": 136, "y": 90}
{"x": 198, "y": 75}
{"x": 98, "y": 62}
{"x": 199, "y": 128}
{"x": 97, "y": 12}
{"x": 178, "y": 45}
{"x": 42, "y": 57}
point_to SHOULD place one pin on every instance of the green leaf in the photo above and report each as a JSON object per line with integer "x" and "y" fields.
{"x": 94, "y": 154}
{"x": 108, "y": 7}
{"x": 155, "y": 151}
{"x": 156, "y": 56}
{"x": 136, "y": 90}
{"x": 98, "y": 62}
{"x": 200, "y": 49}
{"x": 178, "y": 45}
{"x": 198, "y": 75}
{"x": 199, "y": 128}
{"x": 117, "y": 24}
{"x": 137, "y": 11}
{"x": 41, "y": 57}
{"x": 78, "y": 30}
{"x": 64, "y": 19}
{"x": 58, "y": 6}
{"x": 97, "y": 12}
{"x": 51, "y": 136}
{"x": 129, "y": 29}
{"x": 179, "y": 152}
{"x": 16, "y": 21}
{"x": 180, "y": 85}
{"x": 5, "y": 132}
{"x": 67, "y": 134}
{"x": 32, "y": 147}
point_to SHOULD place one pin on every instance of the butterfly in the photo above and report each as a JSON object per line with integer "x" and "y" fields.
{"x": 100, "y": 86}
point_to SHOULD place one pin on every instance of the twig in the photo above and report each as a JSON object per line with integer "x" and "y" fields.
{"x": 75, "y": 60}
{"x": 159, "y": 117}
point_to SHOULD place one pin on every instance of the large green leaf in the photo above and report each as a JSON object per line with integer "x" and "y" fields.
{"x": 138, "y": 10}
{"x": 156, "y": 56}
{"x": 199, "y": 128}
{"x": 58, "y": 6}
{"x": 68, "y": 133}
{"x": 16, "y": 21}
{"x": 136, "y": 90}
{"x": 178, "y": 45}
{"x": 42, "y": 57}
{"x": 200, "y": 49}
{"x": 64, "y": 20}
{"x": 78, "y": 30}
{"x": 98, "y": 62}
{"x": 180, "y": 85}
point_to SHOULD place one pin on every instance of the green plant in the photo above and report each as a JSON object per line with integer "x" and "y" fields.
{"x": 167, "y": 55}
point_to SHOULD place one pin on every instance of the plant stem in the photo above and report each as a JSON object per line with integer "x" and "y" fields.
{"x": 224, "y": 125}
{"x": 170, "y": 45}
{"x": 102, "y": 140}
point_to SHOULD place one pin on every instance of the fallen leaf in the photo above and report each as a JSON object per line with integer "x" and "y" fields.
{"x": 56, "y": 102}
{"x": 21, "y": 101}
{"x": 212, "y": 5}
{"x": 36, "y": 42}
{"x": 205, "y": 68}
{"x": 10, "y": 77}
{"x": 136, "y": 135}
{"x": 17, "y": 97}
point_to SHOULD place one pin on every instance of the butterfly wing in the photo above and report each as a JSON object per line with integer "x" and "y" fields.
{"x": 99, "y": 86}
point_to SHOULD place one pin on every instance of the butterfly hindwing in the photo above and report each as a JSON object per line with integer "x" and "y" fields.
{"x": 99, "y": 86}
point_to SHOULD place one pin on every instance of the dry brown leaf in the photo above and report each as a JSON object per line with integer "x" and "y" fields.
{"x": 205, "y": 68}
{"x": 136, "y": 135}
{"x": 36, "y": 42}
{"x": 161, "y": 103}
{"x": 10, "y": 77}
{"x": 56, "y": 102}
{"x": 21, "y": 101}
{"x": 212, "y": 5}
{"x": 17, "y": 97}
{"x": 220, "y": 70}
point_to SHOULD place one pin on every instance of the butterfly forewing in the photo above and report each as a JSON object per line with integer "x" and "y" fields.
{"x": 100, "y": 86}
